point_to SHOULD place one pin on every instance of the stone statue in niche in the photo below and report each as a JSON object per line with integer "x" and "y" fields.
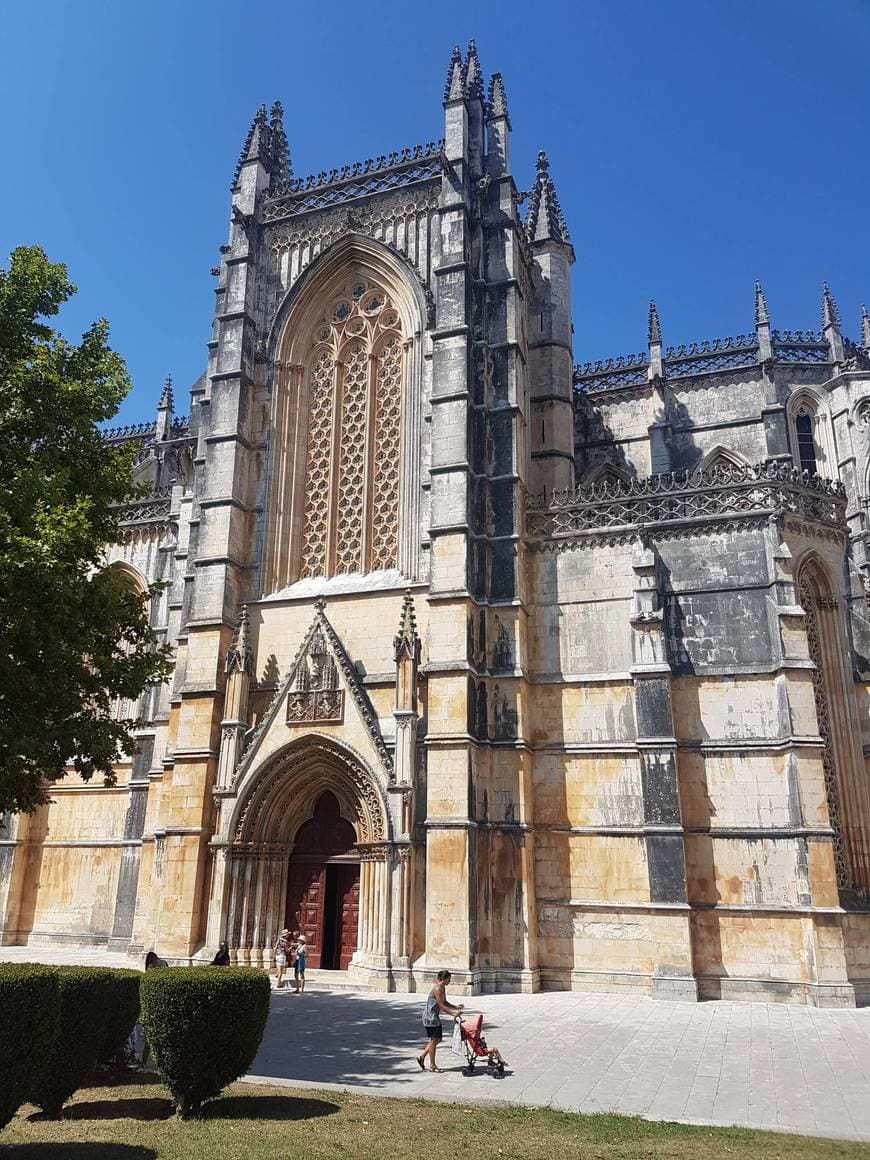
{"x": 504, "y": 716}
{"x": 502, "y": 654}
{"x": 315, "y": 695}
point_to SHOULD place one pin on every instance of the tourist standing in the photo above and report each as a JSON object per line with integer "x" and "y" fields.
{"x": 301, "y": 948}
{"x": 436, "y": 1002}
{"x": 282, "y": 949}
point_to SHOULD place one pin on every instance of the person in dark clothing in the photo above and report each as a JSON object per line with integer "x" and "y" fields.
{"x": 153, "y": 960}
{"x": 222, "y": 958}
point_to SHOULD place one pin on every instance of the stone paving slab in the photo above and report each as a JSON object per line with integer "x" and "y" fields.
{"x": 785, "y": 1068}
{"x": 794, "y": 1069}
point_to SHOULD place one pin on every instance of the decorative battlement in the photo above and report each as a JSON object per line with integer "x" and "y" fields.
{"x": 145, "y": 431}
{"x": 363, "y": 178}
{"x": 715, "y": 354}
{"x": 726, "y": 491}
{"x": 800, "y": 346}
{"x": 710, "y": 356}
{"x": 629, "y": 370}
{"x": 147, "y": 509}
{"x": 129, "y": 431}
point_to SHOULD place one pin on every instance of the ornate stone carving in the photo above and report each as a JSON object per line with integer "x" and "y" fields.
{"x": 374, "y": 175}
{"x": 406, "y": 642}
{"x": 320, "y": 640}
{"x": 374, "y": 852}
{"x": 315, "y": 696}
{"x": 726, "y": 491}
{"x": 318, "y": 462}
{"x": 369, "y": 806}
{"x": 351, "y": 505}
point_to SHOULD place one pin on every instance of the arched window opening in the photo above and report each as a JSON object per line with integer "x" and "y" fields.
{"x": 811, "y": 435}
{"x": 806, "y": 446}
{"x": 123, "y": 708}
{"x": 351, "y": 490}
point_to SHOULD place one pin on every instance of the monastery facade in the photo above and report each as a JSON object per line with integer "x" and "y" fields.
{"x": 553, "y": 675}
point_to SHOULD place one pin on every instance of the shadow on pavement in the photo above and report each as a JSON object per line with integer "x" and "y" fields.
{"x": 268, "y": 1108}
{"x": 339, "y": 1037}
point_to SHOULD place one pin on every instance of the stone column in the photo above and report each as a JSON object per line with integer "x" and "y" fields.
{"x": 218, "y": 904}
{"x": 673, "y": 976}
{"x": 238, "y": 667}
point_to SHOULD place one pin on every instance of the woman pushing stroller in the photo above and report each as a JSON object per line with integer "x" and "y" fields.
{"x": 436, "y": 1002}
{"x": 468, "y": 1029}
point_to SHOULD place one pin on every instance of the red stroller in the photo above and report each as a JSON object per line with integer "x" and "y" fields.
{"x": 476, "y": 1048}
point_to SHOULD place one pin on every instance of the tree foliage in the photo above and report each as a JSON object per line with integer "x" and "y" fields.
{"x": 73, "y": 636}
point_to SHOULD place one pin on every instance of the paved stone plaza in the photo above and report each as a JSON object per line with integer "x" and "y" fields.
{"x": 763, "y": 1065}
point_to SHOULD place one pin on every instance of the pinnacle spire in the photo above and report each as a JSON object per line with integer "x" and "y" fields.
{"x": 473, "y": 74}
{"x": 830, "y": 313}
{"x": 496, "y": 105}
{"x": 546, "y": 222}
{"x": 454, "y": 89}
{"x": 280, "y": 152}
{"x": 865, "y": 328}
{"x": 239, "y": 654}
{"x": 761, "y": 315}
{"x": 255, "y": 145}
{"x": 653, "y": 329}
{"x": 165, "y": 403}
{"x": 406, "y": 642}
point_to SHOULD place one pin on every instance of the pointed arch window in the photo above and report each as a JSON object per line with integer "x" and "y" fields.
{"x": 811, "y": 434}
{"x": 806, "y": 447}
{"x": 354, "y": 379}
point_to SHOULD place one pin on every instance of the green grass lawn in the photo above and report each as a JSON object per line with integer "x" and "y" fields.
{"x": 134, "y": 1121}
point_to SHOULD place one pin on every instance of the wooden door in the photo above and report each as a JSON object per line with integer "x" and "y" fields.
{"x": 348, "y": 915}
{"x": 305, "y": 895}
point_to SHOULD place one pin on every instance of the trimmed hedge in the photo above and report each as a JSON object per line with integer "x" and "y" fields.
{"x": 29, "y": 1018}
{"x": 204, "y": 1028}
{"x": 73, "y": 1055}
{"x": 120, "y": 1012}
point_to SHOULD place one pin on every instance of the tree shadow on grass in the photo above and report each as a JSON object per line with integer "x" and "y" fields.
{"x": 124, "y": 1079}
{"x": 268, "y": 1108}
{"x": 136, "y": 1108}
{"x": 66, "y": 1151}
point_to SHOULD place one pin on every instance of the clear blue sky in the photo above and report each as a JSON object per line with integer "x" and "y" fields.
{"x": 695, "y": 145}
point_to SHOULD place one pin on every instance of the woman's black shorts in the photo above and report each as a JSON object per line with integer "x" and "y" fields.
{"x": 435, "y": 1032}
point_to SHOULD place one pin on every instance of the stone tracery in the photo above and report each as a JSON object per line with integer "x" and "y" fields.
{"x": 351, "y": 488}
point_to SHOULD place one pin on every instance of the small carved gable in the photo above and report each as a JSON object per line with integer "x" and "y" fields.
{"x": 720, "y": 456}
{"x": 321, "y": 693}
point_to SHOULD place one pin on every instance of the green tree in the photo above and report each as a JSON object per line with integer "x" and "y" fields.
{"x": 73, "y": 636}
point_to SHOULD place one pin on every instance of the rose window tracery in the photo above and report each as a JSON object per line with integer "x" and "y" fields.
{"x": 351, "y": 490}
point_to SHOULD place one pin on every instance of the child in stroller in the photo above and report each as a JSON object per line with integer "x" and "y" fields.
{"x": 476, "y": 1047}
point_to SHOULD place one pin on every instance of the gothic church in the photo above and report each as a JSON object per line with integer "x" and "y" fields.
{"x": 553, "y": 674}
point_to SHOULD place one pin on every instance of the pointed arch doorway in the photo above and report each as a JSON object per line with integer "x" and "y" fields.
{"x": 323, "y": 885}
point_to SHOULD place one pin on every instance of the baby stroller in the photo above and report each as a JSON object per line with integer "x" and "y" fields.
{"x": 476, "y": 1048}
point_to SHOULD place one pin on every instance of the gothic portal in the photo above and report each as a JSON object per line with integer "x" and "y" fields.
{"x": 555, "y": 674}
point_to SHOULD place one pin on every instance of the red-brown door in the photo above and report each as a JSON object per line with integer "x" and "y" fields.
{"x": 348, "y": 902}
{"x": 305, "y": 894}
{"x": 322, "y": 889}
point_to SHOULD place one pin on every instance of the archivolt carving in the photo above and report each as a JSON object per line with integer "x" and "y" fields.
{"x": 272, "y": 804}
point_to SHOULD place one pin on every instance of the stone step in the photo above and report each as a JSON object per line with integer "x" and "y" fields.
{"x": 317, "y": 979}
